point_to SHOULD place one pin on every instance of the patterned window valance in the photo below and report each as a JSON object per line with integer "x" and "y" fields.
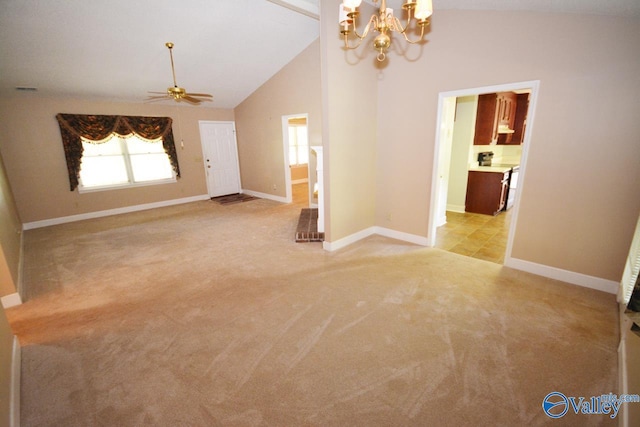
{"x": 76, "y": 127}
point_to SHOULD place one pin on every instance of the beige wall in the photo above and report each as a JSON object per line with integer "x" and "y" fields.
{"x": 10, "y": 236}
{"x": 295, "y": 89}
{"x": 6, "y": 364}
{"x": 349, "y": 132}
{"x": 31, "y": 146}
{"x": 580, "y": 195}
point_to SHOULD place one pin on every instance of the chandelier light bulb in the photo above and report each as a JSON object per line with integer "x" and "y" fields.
{"x": 352, "y": 4}
{"x": 424, "y": 9}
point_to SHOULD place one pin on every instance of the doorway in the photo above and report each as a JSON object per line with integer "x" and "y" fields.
{"x": 444, "y": 169}
{"x": 296, "y": 158}
{"x": 220, "y": 151}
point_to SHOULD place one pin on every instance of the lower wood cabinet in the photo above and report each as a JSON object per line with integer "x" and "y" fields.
{"x": 486, "y": 192}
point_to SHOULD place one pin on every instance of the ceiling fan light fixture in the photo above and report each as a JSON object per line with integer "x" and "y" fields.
{"x": 176, "y": 92}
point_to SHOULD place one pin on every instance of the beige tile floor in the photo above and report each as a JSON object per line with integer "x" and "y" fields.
{"x": 475, "y": 235}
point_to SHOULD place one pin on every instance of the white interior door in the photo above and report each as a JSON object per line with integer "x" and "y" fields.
{"x": 220, "y": 150}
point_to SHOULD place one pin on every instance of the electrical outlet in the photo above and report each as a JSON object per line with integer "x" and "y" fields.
{"x": 275, "y": 187}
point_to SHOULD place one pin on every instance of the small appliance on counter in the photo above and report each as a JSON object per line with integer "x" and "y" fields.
{"x": 484, "y": 158}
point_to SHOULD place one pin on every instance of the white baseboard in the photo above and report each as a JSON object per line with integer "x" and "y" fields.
{"x": 11, "y": 300}
{"x": 349, "y": 240}
{"x": 109, "y": 212}
{"x": 381, "y": 231}
{"x": 16, "y": 366}
{"x": 265, "y": 196}
{"x": 574, "y": 278}
{"x": 399, "y": 235}
{"x": 456, "y": 208}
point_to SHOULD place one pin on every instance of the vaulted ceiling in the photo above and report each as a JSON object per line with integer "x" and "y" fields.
{"x": 115, "y": 49}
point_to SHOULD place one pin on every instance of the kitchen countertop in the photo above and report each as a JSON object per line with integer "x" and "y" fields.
{"x": 493, "y": 168}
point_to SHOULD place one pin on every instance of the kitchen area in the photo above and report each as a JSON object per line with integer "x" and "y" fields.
{"x": 484, "y": 169}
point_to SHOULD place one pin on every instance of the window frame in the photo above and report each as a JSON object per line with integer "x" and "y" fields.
{"x": 126, "y": 157}
{"x": 296, "y": 145}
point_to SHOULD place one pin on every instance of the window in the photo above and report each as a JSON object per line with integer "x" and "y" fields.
{"x": 117, "y": 147}
{"x": 298, "y": 144}
{"x": 124, "y": 161}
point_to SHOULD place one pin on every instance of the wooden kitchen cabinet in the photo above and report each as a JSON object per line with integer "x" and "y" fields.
{"x": 520, "y": 121}
{"x": 486, "y": 120}
{"x": 486, "y": 192}
{"x": 495, "y": 111}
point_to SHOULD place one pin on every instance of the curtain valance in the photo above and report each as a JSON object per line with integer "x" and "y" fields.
{"x": 98, "y": 128}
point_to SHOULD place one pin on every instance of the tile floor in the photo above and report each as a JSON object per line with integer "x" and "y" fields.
{"x": 475, "y": 235}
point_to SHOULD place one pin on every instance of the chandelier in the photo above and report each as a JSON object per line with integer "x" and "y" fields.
{"x": 383, "y": 22}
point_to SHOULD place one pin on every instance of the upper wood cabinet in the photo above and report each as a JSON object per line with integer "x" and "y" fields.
{"x": 520, "y": 122}
{"x": 487, "y": 120}
{"x": 501, "y": 118}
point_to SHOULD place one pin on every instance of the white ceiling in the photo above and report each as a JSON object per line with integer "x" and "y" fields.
{"x": 114, "y": 49}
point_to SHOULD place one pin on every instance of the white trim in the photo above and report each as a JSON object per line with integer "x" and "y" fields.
{"x": 456, "y": 208}
{"x": 11, "y": 300}
{"x": 14, "y": 394}
{"x": 285, "y": 150}
{"x": 266, "y": 196}
{"x": 399, "y": 235}
{"x": 574, "y": 278}
{"x": 346, "y": 241}
{"x": 380, "y": 231}
{"x": 109, "y": 212}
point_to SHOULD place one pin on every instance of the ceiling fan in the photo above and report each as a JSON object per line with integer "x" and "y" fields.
{"x": 179, "y": 93}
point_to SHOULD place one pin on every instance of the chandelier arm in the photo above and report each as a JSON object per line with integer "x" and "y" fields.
{"x": 346, "y": 42}
{"x": 404, "y": 32}
{"x": 373, "y": 20}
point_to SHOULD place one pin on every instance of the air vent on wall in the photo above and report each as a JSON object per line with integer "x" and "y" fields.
{"x": 26, "y": 89}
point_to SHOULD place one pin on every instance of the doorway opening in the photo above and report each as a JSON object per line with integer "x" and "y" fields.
{"x": 454, "y": 225}
{"x": 296, "y": 152}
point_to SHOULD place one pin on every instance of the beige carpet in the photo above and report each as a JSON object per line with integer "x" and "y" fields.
{"x": 205, "y": 315}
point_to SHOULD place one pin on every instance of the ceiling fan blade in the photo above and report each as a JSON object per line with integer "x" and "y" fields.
{"x": 159, "y": 97}
{"x": 202, "y": 95}
{"x": 155, "y": 99}
{"x": 159, "y": 93}
{"x": 191, "y": 100}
